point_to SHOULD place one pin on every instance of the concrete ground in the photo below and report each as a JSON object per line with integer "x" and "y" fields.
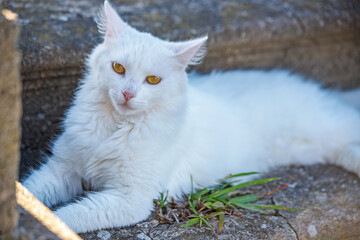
{"x": 329, "y": 195}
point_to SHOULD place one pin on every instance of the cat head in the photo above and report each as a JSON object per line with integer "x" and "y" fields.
{"x": 140, "y": 72}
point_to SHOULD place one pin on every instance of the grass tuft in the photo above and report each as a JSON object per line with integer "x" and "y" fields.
{"x": 216, "y": 202}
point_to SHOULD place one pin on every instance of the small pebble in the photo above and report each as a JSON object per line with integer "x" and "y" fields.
{"x": 63, "y": 18}
{"x": 154, "y": 223}
{"x": 312, "y": 230}
{"x": 144, "y": 225}
{"x": 104, "y": 235}
{"x": 142, "y": 236}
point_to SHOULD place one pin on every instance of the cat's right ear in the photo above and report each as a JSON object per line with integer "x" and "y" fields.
{"x": 109, "y": 22}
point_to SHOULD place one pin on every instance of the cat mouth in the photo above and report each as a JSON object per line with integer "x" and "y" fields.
{"x": 125, "y": 106}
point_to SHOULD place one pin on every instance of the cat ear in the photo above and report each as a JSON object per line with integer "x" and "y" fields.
{"x": 109, "y": 22}
{"x": 190, "y": 52}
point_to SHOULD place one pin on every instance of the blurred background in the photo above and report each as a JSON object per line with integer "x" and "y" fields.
{"x": 319, "y": 39}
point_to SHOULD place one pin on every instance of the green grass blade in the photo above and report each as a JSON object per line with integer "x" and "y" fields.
{"x": 276, "y": 207}
{"x": 242, "y": 174}
{"x": 244, "y": 199}
{"x": 221, "y": 198}
{"x": 223, "y": 186}
{"x": 192, "y": 184}
{"x": 202, "y": 192}
{"x": 208, "y": 204}
{"x": 221, "y": 221}
{"x": 207, "y": 224}
{"x": 191, "y": 222}
{"x": 212, "y": 215}
{"x": 251, "y": 207}
{"x": 192, "y": 207}
{"x": 217, "y": 205}
{"x": 240, "y": 185}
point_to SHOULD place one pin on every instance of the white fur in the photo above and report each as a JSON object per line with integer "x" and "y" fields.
{"x": 128, "y": 152}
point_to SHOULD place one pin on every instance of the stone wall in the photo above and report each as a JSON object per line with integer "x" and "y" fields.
{"x": 10, "y": 113}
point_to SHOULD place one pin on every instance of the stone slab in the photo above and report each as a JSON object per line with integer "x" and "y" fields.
{"x": 57, "y": 35}
{"x": 332, "y": 197}
{"x": 331, "y": 194}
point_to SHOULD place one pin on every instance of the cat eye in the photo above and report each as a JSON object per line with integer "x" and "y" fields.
{"x": 118, "y": 68}
{"x": 153, "y": 79}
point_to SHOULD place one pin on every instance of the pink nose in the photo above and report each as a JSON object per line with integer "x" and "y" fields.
{"x": 128, "y": 95}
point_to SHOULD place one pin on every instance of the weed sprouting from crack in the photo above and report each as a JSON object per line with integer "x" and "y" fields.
{"x": 215, "y": 202}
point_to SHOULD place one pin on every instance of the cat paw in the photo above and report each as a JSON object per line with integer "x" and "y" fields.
{"x": 72, "y": 221}
{"x": 38, "y": 193}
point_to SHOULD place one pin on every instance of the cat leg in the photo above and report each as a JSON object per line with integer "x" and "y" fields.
{"x": 349, "y": 158}
{"x": 53, "y": 183}
{"x": 106, "y": 209}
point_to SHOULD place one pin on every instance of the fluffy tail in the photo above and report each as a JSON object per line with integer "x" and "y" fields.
{"x": 351, "y": 97}
{"x": 350, "y": 155}
{"x": 350, "y": 158}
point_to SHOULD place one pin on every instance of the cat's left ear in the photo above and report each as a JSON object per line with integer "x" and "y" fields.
{"x": 189, "y": 52}
{"x": 109, "y": 22}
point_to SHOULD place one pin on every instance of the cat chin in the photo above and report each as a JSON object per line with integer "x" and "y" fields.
{"x": 125, "y": 110}
{"x": 125, "y": 107}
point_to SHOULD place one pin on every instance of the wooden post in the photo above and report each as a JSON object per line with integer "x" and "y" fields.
{"x": 10, "y": 114}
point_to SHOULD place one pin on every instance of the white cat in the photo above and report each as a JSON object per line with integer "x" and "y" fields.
{"x": 137, "y": 128}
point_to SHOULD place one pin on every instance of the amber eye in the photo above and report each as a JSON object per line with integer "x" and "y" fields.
{"x": 153, "y": 79}
{"x": 118, "y": 68}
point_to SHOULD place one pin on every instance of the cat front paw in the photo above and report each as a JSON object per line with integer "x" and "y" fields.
{"x": 74, "y": 221}
{"x": 36, "y": 191}
{"x": 104, "y": 210}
